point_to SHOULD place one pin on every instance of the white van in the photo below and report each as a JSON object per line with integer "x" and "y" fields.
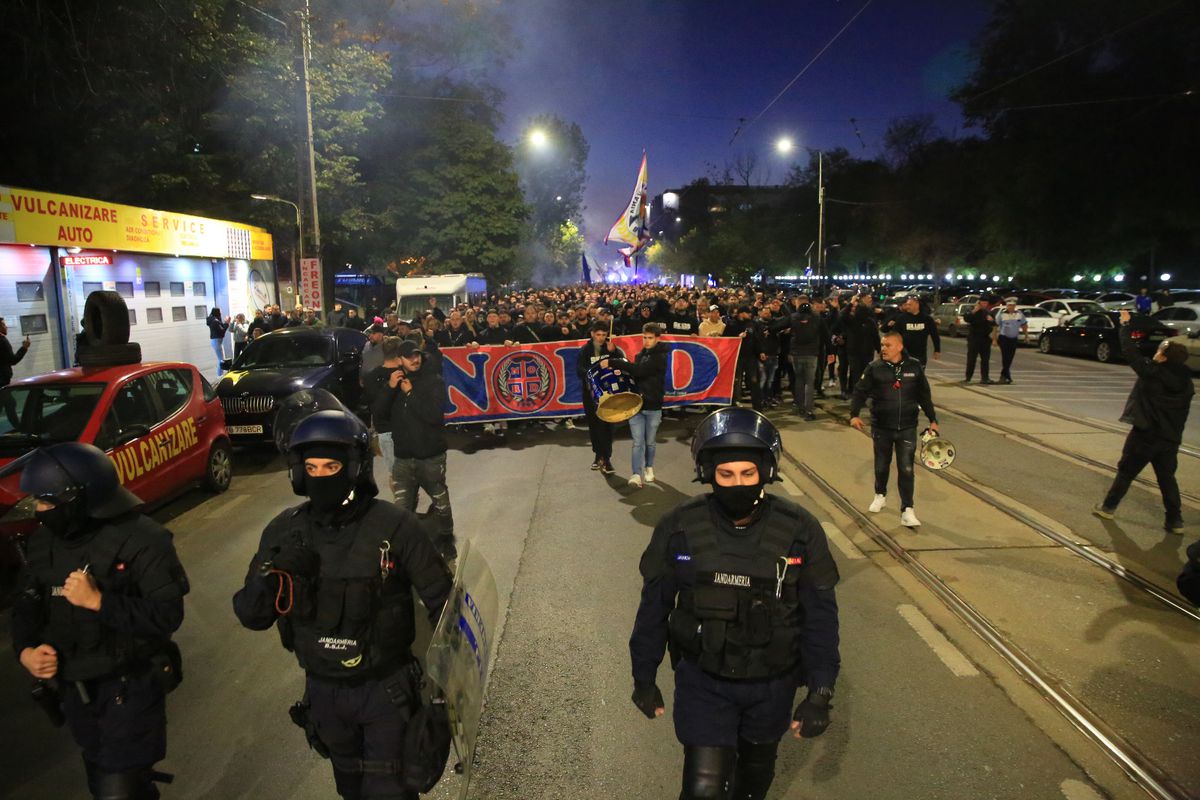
{"x": 412, "y": 294}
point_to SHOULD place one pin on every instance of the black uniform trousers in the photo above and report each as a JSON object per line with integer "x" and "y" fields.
{"x": 746, "y": 377}
{"x": 358, "y": 723}
{"x": 123, "y": 727}
{"x": 904, "y": 443}
{"x": 843, "y": 369}
{"x": 599, "y": 431}
{"x": 981, "y": 348}
{"x": 1142, "y": 448}
{"x": 1008, "y": 351}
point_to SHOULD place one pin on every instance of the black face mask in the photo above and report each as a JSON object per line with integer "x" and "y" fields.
{"x": 327, "y": 494}
{"x": 737, "y": 502}
{"x": 64, "y": 521}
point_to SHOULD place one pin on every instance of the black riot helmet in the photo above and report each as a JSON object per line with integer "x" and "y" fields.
{"x": 74, "y": 472}
{"x": 736, "y": 429}
{"x": 329, "y": 432}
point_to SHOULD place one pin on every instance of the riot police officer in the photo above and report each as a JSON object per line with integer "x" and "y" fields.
{"x": 739, "y": 585}
{"x": 102, "y": 592}
{"x": 336, "y": 575}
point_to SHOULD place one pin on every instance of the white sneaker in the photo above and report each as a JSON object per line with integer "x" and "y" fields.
{"x": 649, "y": 473}
{"x": 877, "y": 504}
{"x": 570, "y": 423}
{"x": 908, "y": 519}
{"x": 635, "y": 481}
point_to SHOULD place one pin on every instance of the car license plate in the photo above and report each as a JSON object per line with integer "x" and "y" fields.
{"x": 244, "y": 429}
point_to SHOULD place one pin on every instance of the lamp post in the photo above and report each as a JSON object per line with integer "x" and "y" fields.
{"x": 784, "y": 146}
{"x": 299, "y": 231}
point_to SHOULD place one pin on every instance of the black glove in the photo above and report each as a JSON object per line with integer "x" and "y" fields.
{"x": 647, "y": 698}
{"x": 296, "y": 560}
{"x": 813, "y": 715}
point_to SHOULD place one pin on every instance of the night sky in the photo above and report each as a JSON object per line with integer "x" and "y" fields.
{"x": 673, "y": 77}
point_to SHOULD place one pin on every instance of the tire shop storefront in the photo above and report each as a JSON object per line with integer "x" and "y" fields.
{"x": 171, "y": 269}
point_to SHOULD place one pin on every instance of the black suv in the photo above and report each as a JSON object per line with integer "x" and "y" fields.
{"x": 286, "y": 361}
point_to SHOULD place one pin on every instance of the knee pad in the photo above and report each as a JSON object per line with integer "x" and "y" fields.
{"x": 131, "y": 785}
{"x": 755, "y": 770}
{"x": 707, "y": 772}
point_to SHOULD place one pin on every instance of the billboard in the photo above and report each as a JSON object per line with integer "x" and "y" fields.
{"x": 43, "y": 218}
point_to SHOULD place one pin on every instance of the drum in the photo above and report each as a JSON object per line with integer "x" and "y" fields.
{"x": 614, "y": 392}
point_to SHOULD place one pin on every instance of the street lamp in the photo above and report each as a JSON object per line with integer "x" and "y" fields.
{"x": 270, "y": 198}
{"x": 537, "y": 138}
{"x": 784, "y": 145}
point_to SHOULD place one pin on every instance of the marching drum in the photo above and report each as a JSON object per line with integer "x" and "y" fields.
{"x": 614, "y": 392}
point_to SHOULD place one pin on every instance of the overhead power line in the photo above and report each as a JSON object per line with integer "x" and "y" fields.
{"x": 800, "y": 74}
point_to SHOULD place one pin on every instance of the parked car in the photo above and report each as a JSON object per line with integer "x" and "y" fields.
{"x": 159, "y": 422}
{"x": 1057, "y": 294}
{"x": 1184, "y": 295}
{"x": 1192, "y": 342}
{"x": 1183, "y": 318}
{"x": 1038, "y": 319}
{"x": 281, "y": 363}
{"x": 1115, "y": 301}
{"x": 1065, "y": 308}
{"x": 949, "y": 318}
{"x": 1096, "y": 335}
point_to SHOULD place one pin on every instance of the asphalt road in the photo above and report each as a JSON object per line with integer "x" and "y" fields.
{"x": 1079, "y": 387}
{"x": 923, "y": 708}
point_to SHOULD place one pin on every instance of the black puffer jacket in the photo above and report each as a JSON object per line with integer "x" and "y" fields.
{"x": 649, "y": 369}
{"x": 1162, "y": 397}
{"x": 416, "y": 419}
{"x": 897, "y": 392}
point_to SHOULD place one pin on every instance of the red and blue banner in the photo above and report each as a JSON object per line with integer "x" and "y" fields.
{"x": 529, "y": 381}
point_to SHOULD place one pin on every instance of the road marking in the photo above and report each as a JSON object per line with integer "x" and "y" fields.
{"x": 1078, "y": 790}
{"x": 950, "y": 655}
{"x": 228, "y": 504}
{"x": 841, "y": 541}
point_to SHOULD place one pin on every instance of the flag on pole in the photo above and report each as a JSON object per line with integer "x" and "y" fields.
{"x": 630, "y": 228}
{"x": 587, "y": 271}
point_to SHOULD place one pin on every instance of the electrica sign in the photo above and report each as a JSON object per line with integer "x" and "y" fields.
{"x": 85, "y": 261}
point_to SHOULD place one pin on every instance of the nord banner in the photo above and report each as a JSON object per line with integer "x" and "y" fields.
{"x": 539, "y": 380}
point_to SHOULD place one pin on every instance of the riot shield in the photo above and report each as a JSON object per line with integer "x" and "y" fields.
{"x": 460, "y": 652}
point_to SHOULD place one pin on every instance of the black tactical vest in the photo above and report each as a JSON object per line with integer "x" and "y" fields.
{"x": 741, "y": 616}
{"x": 86, "y": 648}
{"x": 363, "y": 619}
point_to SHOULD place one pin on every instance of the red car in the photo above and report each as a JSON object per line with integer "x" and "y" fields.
{"x": 160, "y": 422}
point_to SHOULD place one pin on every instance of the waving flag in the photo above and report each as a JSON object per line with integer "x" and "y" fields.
{"x": 587, "y": 270}
{"x": 630, "y": 228}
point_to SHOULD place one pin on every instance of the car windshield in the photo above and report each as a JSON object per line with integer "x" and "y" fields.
{"x": 1087, "y": 308}
{"x": 45, "y": 413}
{"x": 286, "y": 351}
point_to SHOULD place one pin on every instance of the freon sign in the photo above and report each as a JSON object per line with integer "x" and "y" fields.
{"x": 310, "y": 283}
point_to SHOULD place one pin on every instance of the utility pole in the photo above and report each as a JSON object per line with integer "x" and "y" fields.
{"x": 315, "y": 227}
{"x": 821, "y": 213}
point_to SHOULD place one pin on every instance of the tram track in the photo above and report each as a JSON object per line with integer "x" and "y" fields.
{"x": 1098, "y": 425}
{"x": 1141, "y": 769}
{"x": 1069, "y": 454}
{"x": 1087, "y": 552}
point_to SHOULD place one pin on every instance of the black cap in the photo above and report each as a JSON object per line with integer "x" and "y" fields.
{"x": 409, "y": 348}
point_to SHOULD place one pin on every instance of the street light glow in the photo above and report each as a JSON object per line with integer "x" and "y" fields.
{"x": 1166, "y": 276}
{"x": 784, "y": 145}
{"x": 1096, "y": 278}
{"x": 1076, "y": 278}
{"x": 537, "y": 137}
{"x": 1119, "y": 277}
